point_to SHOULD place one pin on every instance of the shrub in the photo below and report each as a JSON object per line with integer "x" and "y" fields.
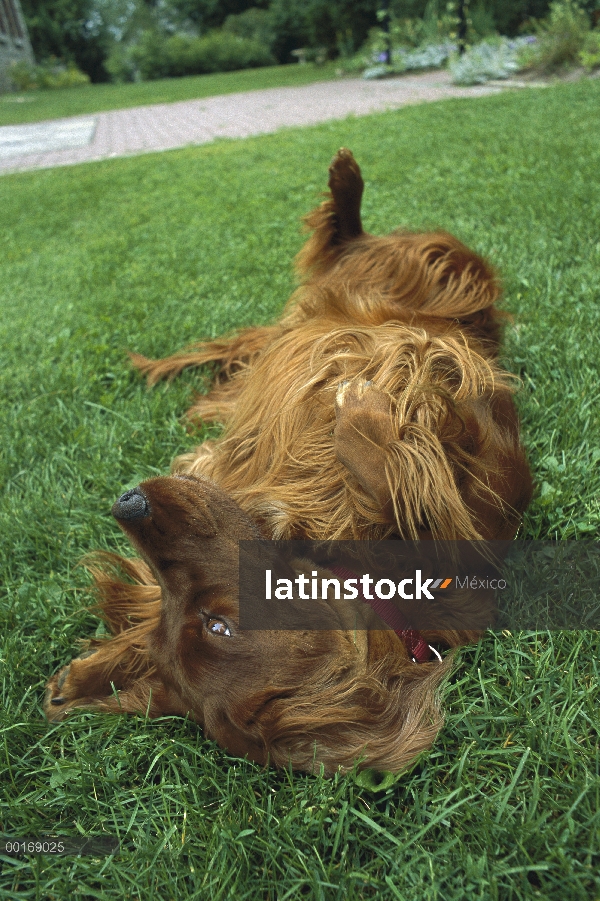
{"x": 438, "y": 23}
{"x": 434, "y": 27}
{"x": 432, "y": 56}
{"x": 149, "y": 56}
{"x": 184, "y": 55}
{"x": 252, "y": 25}
{"x": 121, "y": 65}
{"x": 482, "y": 21}
{"x": 487, "y": 16}
{"x": 414, "y": 43}
{"x": 47, "y": 76}
{"x": 220, "y": 51}
{"x": 157, "y": 56}
{"x": 73, "y": 30}
{"x": 63, "y": 77}
{"x": 589, "y": 56}
{"x": 290, "y": 21}
{"x": 337, "y": 27}
{"x": 23, "y": 76}
{"x": 561, "y": 38}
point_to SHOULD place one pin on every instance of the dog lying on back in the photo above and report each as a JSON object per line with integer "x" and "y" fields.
{"x": 373, "y": 409}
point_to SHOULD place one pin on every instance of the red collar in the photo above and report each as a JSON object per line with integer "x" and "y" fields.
{"x": 413, "y": 641}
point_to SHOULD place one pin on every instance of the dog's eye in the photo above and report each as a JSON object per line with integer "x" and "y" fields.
{"x": 218, "y": 627}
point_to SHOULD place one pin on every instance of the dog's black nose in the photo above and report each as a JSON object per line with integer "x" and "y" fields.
{"x": 131, "y": 505}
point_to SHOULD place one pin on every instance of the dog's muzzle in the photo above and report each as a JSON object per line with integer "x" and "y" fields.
{"x": 131, "y": 505}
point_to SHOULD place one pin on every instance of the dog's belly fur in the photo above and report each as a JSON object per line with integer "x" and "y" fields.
{"x": 277, "y": 458}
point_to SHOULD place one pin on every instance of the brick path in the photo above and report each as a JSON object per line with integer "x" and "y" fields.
{"x": 165, "y": 126}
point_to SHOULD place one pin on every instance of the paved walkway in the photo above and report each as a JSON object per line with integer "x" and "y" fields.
{"x": 165, "y": 126}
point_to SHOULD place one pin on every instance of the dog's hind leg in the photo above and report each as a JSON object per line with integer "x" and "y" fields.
{"x": 334, "y": 223}
{"x": 337, "y": 220}
{"x": 346, "y": 186}
{"x": 230, "y": 354}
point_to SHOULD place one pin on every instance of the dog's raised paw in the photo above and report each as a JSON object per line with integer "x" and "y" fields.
{"x": 362, "y": 396}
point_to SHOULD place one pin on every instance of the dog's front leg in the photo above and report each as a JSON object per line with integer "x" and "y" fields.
{"x": 93, "y": 681}
{"x": 408, "y": 470}
{"x": 363, "y": 430}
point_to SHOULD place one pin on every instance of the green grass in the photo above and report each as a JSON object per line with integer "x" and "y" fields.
{"x": 154, "y": 251}
{"x": 35, "y": 106}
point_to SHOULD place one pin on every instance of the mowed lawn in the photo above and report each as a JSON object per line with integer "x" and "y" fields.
{"x": 152, "y": 252}
{"x": 34, "y": 106}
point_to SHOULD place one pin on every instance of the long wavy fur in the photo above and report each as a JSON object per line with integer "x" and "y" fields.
{"x": 414, "y": 315}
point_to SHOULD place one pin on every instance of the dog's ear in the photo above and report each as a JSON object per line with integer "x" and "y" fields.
{"x": 234, "y": 729}
{"x": 383, "y": 719}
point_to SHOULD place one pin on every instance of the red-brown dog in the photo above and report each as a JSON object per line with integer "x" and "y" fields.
{"x": 373, "y": 409}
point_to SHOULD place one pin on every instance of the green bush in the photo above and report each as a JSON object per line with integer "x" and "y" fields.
{"x": 482, "y": 22}
{"x": 413, "y": 43}
{"x": 496, "y": 58}
{"x": 434, "y": 26}
{"x": 23, "y": 76}
{"x": 589, "y": 56}
{"x": 121, "y": 65}
{"x": 219, "y": 51}
{"x": 416, "y": 43}
{"x": 254, "y": 25}
{"x": 149, "y": 56}
{"x": 155, "y": 55}
{"x": 47, "y": 76}
{"x": 561, "y": 38}
{"x": 75, "y": 30}
{"x": 334, "y": 27}
{"x": 291, "y": 25}
{"x": 487, "y": 16}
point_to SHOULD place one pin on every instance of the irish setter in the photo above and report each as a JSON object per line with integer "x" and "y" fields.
{"x": 373, "y": 409}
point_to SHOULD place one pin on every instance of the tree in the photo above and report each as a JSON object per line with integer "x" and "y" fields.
{"x": 202, "y": 15}
{"x": 339, "y": 25}
{"x": 70, "y": 30}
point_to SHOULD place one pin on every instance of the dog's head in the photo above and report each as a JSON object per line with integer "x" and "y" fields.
{"x": 306, "y": 697}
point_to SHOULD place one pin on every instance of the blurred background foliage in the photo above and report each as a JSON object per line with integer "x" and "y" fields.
{"x": 132, "y": 40}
